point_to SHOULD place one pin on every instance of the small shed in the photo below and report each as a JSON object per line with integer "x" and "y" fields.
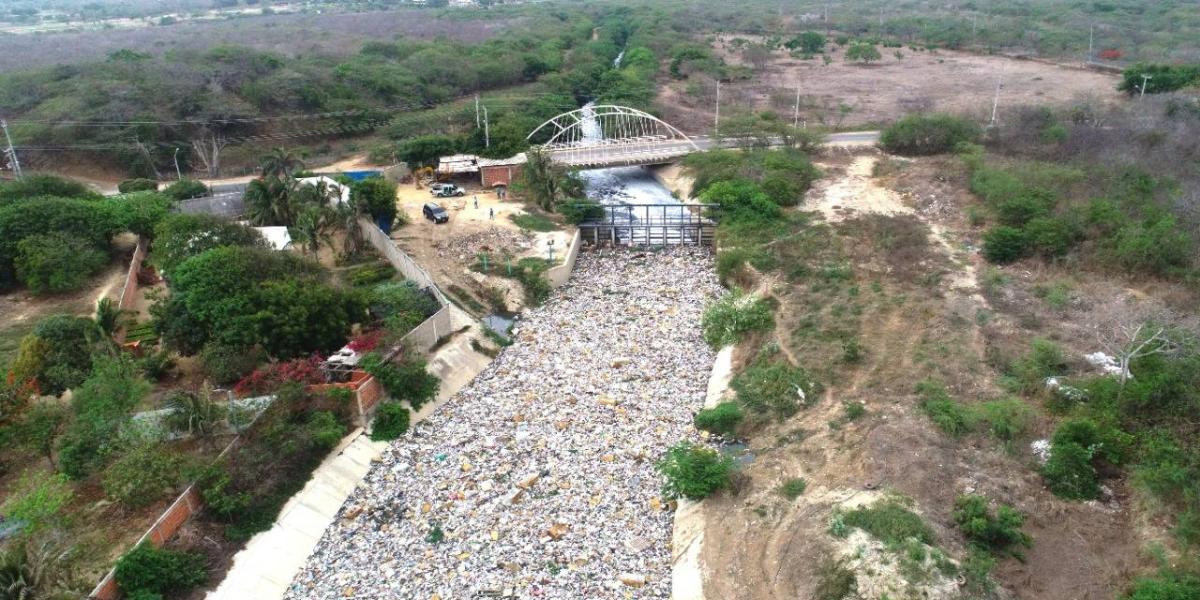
{"x": 458, "y": 164}
{"x": 500, "y": 171}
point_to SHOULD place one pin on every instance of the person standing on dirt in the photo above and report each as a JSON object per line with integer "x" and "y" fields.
{"x": 491, "y": 213}
{"x": 476, "y": 202}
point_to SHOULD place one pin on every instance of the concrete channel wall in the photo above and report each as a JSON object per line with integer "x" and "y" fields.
{"x": 559, "y": 274}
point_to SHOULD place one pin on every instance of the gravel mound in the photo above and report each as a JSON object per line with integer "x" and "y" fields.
{"x": 537, "y": 480}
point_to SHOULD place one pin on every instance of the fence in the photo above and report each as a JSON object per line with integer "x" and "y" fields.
{"x": 230, "y": 204}
{"x": 129, "y": 292}
{"x": 401, "y": 261}
{"x": 559, "y": 274}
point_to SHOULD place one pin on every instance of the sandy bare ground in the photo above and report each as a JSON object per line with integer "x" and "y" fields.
{"x": 942, "y": 80}
{"x": 760, "y": 546}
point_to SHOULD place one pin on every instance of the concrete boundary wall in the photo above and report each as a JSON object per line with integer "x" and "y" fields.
{"x": 397, "y": 257}
{"x": 559, "y": 275}
{"x": 129, "y": 291}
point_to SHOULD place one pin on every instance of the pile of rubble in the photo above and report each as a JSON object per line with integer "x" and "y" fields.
{"x": 537, "y": 479}
{"x": 493, "y": 240}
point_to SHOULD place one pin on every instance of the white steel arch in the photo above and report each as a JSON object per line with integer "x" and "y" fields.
{"x": 608, "y": 125}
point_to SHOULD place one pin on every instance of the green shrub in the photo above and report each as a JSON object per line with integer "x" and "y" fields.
{"x": 1045, "y": 359}
{"x": 103, "y": 404}
{"x": 1105, "y": 441}
{"x": 1006, "y": 418}
{"x": 793, "y": 488}
{"x": 185, "y": 189}
{"x": 401, "y": 306}
{"x": 855, "y": 411}
{"x": 378, "y": 196}
{"x": 923, "y": 135}
{"x": 406, "y": 380}
{"x": 48, "y": 186}
{"x": 143, "y": 475}
{"x": 890, "y": 522}
{"x": 948, "y": 415}
{"x": 722, "y": 419}
{"x": 1166, "y": 586}
{"x": 1050, "y": 237}
{"x": 225, "y": 365}
{"x": 1003, "y": 244}
{"x": 324, "y": 430}
{"x": 578, "y": 211}
{"x": 38, "y": 500}
{"x": 137, "y": 185}
{"x": 1069, "y": 472}
{"x": 741, "y": 201}
{"x": 694, "y": 472}
{"x": 371, "y": 273}
{"x": 54, "y": 263}
{"x": 775, "y": 387}
{"x": 150, "y": 569}
{"x": 1156, "y": 246}
{"x": 390, "y": 423}
{"x": 732, "y": 316}
{"x": 996, "y": 531}
{"x": 1020, "y": 209}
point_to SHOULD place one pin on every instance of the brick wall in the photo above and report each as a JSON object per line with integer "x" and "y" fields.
{"x": 187, "y": 504}
{"x": 492, "y": 176}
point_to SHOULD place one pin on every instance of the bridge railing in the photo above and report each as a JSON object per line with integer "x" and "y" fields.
{"x": 653, "y": 224}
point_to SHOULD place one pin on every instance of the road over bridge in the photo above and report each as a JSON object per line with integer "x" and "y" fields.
{"x": 614, "y": 136}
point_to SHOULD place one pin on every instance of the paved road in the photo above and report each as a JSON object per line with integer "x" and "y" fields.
{"x": 641, "y": 154}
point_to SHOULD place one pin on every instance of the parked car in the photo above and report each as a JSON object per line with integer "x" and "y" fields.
{"x": 445, "y": 190}
{"x": 435, "y": 213}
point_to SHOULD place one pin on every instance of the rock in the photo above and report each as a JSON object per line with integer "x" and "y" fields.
{"x": 632, "y": 579}
{"x": 608, "y": 400}
{"x": 619, "y": 362}
{"x": 515, "y": 496}
{"x": 352, "y": 513}
{"x": 528, "y": 481}
{"x": 557, "y": 530}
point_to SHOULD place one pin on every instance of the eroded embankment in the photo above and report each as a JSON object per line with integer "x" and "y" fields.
{"x": 537, "y": 479}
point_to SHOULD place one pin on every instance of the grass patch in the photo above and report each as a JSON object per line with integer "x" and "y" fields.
{"x": 534, "y": 222}
{"x": 890, "y": 522}
{"x": 777, "y": 388}
{"x": 465, "y": 299}
{"x": 1006, "y": 418}
{"x": 793, "y": 488}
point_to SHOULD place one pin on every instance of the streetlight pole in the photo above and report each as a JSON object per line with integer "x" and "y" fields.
{"x": 1145, "y": 80}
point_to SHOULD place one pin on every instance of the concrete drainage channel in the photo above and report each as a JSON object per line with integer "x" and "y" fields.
{"x": 687, "y": 536}
{"x": 537, "y": 479}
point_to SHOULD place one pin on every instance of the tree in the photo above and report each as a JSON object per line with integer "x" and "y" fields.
{"x": 54, "y": 263}
{"x": 281, "y": 164}
{"x": 57, "y": 354}
{"x": 40, "y": 427}
{"x": 180, "y": 236}
{"x": 270, "y": 201}
{"x": 426, "y": 150}
{"x": 109, "y": 316}
{"x": 143, "y": 475}
{"x": 864, "y": 52}
{"x": 809, "y": 42}
{"x": 922, "y": 135}
{"x": 137, "y": 185}
{"x": 741, "y": 200}
{"x": 101, "y": 405}
{"x": 543, "y": 179}
{"x": 195, "y": 413}
{"x": 247, "y": 296}
{"x": 185, "y": 189}
{"x": 1129, "y": 329}
{"x": 208, "y": 149}
{"x": 313, "y": 228}
{"x": 377, "y": 197}
{"x": 139, "y": 212}
{"x": 84, "y": 221}
{"x": 49, "y": 186}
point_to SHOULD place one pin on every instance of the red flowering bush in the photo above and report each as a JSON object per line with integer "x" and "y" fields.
{"x": 305, "y": 371}
{"x": 1110, "y": 54}
{"x": 366, "y": 342}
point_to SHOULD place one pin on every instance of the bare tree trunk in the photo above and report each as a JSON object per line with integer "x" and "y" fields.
{"x": 209, "y": 149}
{"x": 149, "y": 159}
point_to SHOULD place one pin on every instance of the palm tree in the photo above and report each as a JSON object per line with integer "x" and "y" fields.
{"x": 109, "y": 316}
{"x": 38, "y": 568}
{"x": 281, "y": 164}
{"x": 348, "y": 216}
{"x": 312, "y": 228}
{"x": 195, "y": 413}
{"x": 543, "y": 179}
{"x": 269, "y": 201}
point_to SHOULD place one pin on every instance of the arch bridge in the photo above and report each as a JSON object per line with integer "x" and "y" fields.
{"x": 608, "y": 135}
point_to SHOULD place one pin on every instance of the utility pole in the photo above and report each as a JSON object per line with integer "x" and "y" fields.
{"x": 717, "y": 120}
{"x": 13, "y": 163}
{"x": 974, "y": 26}
{"x": 1092, "y": 44}
{"x": 1145, "y": 79}
{"x": 476, "y": 111}
{"x": 487, "y": 135}
{"x": 796, "y": 110}
{"x": 996, "y": 101}
{"x": 178, "y": 173}
{"x": 881, "y": 18}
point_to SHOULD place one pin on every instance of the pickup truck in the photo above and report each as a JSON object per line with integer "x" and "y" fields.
{"x": 445, "y": 190}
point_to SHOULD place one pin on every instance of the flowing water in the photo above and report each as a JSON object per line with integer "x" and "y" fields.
{"x": 631, "y": 195}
